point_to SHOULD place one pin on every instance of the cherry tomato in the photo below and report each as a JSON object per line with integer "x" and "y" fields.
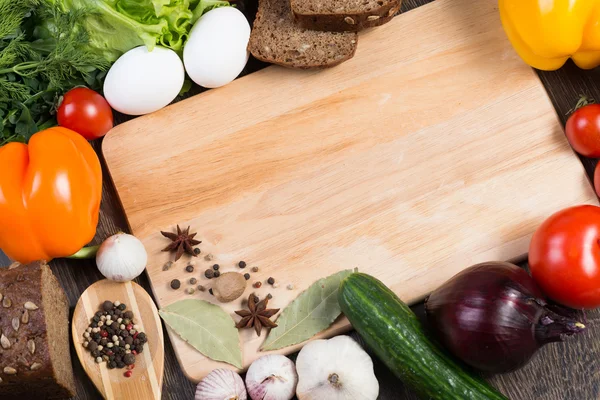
{"x": 583, "y": 130}
{"x": 85, "y": 112}
{"x": 597, "y": 179}
{"x": 564, "y": 257}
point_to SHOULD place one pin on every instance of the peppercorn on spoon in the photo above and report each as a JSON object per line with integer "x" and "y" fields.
{"x": 144, "y": 380}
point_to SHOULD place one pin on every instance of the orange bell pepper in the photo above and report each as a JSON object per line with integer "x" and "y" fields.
{"x": 50, "y": 192}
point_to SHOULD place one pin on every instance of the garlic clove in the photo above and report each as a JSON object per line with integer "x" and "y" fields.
{"x": 121, "y": 257}
{"x": 272, "y": 377}
{"x": 335, "y": 369}
{"x": 221, "y": 384}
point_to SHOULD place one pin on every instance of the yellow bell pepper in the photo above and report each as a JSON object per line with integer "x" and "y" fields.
{"x": 546, "y": 33}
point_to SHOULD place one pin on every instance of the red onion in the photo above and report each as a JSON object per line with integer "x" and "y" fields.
{"x": 493, "y": 317}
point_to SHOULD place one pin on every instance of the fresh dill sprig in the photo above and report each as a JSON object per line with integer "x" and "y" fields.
{"x": 35, "y": 72}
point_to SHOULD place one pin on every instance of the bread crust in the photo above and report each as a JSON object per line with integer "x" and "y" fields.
{"x": 27, "y": 368}
{"x": 347, "y": 22}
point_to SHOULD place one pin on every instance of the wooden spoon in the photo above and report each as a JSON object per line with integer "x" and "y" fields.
{"x": 145, "y": 382}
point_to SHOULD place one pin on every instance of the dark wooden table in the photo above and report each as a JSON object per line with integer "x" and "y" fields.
{"x": 561, "y": 371}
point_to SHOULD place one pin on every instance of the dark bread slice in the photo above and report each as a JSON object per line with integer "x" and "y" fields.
{"x": 277, "y": 39}
{"x": 344, "y": 15}
{"x": 40, "y": 369}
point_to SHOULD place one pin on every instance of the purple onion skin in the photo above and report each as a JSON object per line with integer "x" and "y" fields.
{"x": 494, "y": 317}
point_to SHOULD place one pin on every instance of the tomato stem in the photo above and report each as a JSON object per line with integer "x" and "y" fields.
{"x": 582, "y": 102}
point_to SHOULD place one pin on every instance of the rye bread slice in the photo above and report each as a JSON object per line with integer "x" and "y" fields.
{"x": 344, "y": 15}
{"x": 277, "y": 39}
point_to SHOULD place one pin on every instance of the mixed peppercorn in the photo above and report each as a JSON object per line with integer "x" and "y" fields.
{"x": 114, "y": 337}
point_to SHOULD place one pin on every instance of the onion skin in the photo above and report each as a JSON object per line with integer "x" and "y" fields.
{"x": 494, "y": 317}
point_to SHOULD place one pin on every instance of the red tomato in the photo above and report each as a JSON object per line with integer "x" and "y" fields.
{"x": 597, "y": 179}
{"x": 583, "y": 130}
{"x": 564, "y": 257}
{"x": 85, "y": 112}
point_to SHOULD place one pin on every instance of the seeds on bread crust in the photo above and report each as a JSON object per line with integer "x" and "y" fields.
{"x": 10, "y": 371}
{"x": 16, "y": 323}
{"x": 349, "y": 21}
{"x": 30, "y": 306}
{"x": 25, "y": 317}
{"x": 5, "y": 342}
{"x": 372, "y": 18}
{"x": 35, "y": 366}
{"x": 31, "y": 346}
{"x": 6, "y": 302}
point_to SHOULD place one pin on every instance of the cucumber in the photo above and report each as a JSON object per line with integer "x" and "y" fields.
{"x": 395, "y": 334}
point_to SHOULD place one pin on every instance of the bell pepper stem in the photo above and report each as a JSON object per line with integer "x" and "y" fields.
{"x": 85, "y": 253}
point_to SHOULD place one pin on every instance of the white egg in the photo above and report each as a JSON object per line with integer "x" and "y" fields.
{"x": 142, "y": 81}
{"x": 216, "y": 51}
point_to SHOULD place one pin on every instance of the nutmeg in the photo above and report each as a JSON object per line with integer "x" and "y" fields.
{"x": 229, "y": 286}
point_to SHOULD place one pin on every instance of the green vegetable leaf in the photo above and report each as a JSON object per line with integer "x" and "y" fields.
{"x": 310, "y": 313}
{"x": 206, "y": 327}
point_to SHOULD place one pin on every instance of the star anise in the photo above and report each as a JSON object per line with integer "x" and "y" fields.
{"x": 183, "y": 241}
{"x": 257, "y": 315}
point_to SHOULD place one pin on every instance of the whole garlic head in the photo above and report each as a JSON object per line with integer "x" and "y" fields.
{"x": 121, "y": 257}
{"x": 272, "y": 377}
{"x": 335, "y": 369}
{"x": 221, "y": 384}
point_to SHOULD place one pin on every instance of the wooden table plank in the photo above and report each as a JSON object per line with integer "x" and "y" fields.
{"x": 566, "y": 371}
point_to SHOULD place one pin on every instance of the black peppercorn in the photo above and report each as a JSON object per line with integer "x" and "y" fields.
{"x": 96, "y": 319}
{"x": 107, "y": 305}
{"x": 114, "y": 325}
{"x": 129, "y": 359}
{"x": 120, "y": 364}
{"x": 92, "y": 346}
{"x": 111, "y": 312}
{"x": 98, "y": 314}
{"x": 124, "y": 333}
{"x": 189, "y": 268}
{"x": 139, "y": 349}
{"x": 216, "y": 267}
{"x": 132, "y": 347}
{"x": 217, "y": 274}
{"x": 128, "y": 314}
{"x": 118, "y": 312}
{"x": 142, "y": 337}
{"x": 269, "y": 296}
{"x": 94, "y": 324}
{"x": 197, "y": 251}
{"x": 104, "y": 341}
{"x": 129, "y": 340}
{"x": 122, "y": 307}
{"x": 175, "y": 284}
{"x": 242, "y": 264}
{"x": 209, "y": 273}
{"x": 247, "y": 276}
{"x": 96, "y": 353}
{"x": 96, "y": 337}
{"x": 136, "y": 341}
{"x": 270, "y": 281}
{"x": 193, "y": 281}
{"x": 112, "y": 365}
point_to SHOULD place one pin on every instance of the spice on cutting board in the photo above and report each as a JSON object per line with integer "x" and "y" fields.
{"x": 182, "y": 242}
{"x": 257, "y": 315}
{"x": 229, "y": 286}
{"x": 114, "y": 337}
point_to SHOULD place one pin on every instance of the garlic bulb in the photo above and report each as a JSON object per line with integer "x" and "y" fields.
{"x": 221, "y": 384}
{"x": 121, "y": 257}
{"x": 335, "y": 369}
{"x": 272, "y": 377}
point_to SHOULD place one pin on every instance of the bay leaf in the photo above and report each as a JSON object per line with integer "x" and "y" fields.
{"x": 311, "y": 312}
{"x": 205, "y": 326}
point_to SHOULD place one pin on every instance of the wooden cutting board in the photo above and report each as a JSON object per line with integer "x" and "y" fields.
{"x": 435, "y": 148}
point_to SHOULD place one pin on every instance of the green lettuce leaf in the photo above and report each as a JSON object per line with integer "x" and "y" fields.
{"x": 116, "y": 26}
